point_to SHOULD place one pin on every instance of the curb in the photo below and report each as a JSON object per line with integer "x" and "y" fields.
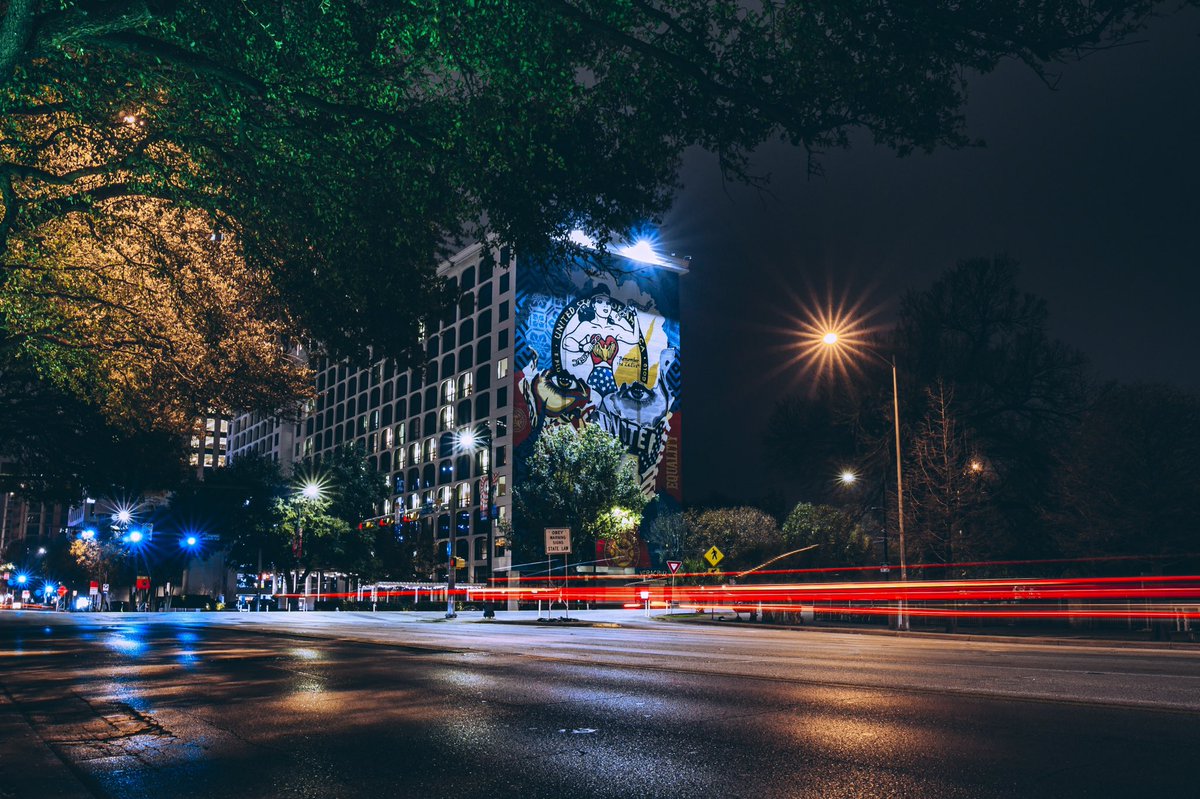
{"x": 724, "y": 621}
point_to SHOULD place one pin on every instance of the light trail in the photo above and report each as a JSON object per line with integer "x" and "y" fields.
{"x": 1098, "y": 598}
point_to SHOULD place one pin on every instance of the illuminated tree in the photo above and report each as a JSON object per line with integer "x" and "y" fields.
{"x": 583, "y": 479}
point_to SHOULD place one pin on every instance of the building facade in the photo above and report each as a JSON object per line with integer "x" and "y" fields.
{"x": 524, "y": 349}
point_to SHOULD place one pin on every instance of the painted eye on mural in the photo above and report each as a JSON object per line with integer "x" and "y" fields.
{"x": 563, "y": 381}
{"x": 638, "y": 393}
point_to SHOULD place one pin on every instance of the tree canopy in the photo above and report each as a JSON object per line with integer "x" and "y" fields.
{"x": 1126, "y": 483}
{"x": 185, "y": 184}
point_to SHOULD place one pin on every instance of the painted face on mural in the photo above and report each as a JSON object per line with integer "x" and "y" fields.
{"x": 559, "y": 398}
{"x": 636, "y": 414}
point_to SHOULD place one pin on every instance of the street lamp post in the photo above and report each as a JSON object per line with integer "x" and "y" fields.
{"x": 311, "y": 492}
{"x": 470, "y": 440}
{"x": 832, "y": 339}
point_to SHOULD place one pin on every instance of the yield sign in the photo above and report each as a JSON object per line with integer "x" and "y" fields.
{"x": 674, "y": 565}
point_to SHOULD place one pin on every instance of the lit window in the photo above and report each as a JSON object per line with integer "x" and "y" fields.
{"x": 447, "y": 417}
{"x": 194, "y": 459}
{"x": 208, "y": 460}
{"x": 464, "y": 384}
{"x": 448, "y": 391}
{"x": 430, "y": 449}
{"x": 502, "y": 368}
{"x": 224, "y": 425}
{"x": 371, "y": 443}
{"x": 464, "y": 495}
{"x": 220, "y": 460}
{"x": 387, "y": 438}
{"x": 501, "y": 485}
{"x": 444, "y": 496}
{"x": 399, "y": 459}
{"x": 414, "y": 453}
{"x": 400, "y": 434}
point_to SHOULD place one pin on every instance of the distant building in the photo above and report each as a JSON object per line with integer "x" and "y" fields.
{"x": 209, "y": 444}
{"x": 524, "y": 349}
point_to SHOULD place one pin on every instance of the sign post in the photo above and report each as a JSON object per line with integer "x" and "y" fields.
{"x": 558, "y": 542}
{"x": 714, "y": 556}
{"x": 673, "y": 565}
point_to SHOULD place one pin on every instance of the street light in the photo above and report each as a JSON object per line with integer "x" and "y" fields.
{"x": 311, "y": 491}
{"x": 470, "y": 440}
{"x": 833, "y": 340}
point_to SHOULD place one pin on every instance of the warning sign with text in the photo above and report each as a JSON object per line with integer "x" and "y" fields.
{"x": 558, "y": 540}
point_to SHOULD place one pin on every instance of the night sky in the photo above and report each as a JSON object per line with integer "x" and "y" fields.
{"x": 1092, "y": 187}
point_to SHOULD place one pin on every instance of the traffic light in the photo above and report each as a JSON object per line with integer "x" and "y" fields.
{"x": 460, "y": 563}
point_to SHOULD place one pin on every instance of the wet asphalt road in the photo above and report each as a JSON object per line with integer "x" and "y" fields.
{"x": 318, "y": 705}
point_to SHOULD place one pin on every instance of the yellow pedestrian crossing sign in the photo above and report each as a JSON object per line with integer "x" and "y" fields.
{"x": 714, "y": 556}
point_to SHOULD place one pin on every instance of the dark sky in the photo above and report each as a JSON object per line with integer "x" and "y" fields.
{"x": 1092, "y": 187}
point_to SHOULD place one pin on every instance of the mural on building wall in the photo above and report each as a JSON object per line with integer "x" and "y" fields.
{"x": 602, "y": 349}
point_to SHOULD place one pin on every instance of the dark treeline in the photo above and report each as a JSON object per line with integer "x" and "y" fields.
{"x": 1012, "y": 450}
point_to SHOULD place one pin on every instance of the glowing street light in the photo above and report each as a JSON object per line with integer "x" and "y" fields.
{"x": 841, "y": 348}
{"x": 848, "y": 478}
{"x": 311, "y": 491}
{"x": 470, "y": 440}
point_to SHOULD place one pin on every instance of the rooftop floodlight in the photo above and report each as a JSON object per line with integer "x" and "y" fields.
{"x": 124, "y": 516}
{"x": 135, "y": 537}
{"x": 641, "y": 250}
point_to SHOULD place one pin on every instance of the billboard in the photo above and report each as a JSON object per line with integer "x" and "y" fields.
{"x": 602, "y": 347}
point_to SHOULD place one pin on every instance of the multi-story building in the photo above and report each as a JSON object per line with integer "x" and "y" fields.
{"x": 524, "y": 349}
